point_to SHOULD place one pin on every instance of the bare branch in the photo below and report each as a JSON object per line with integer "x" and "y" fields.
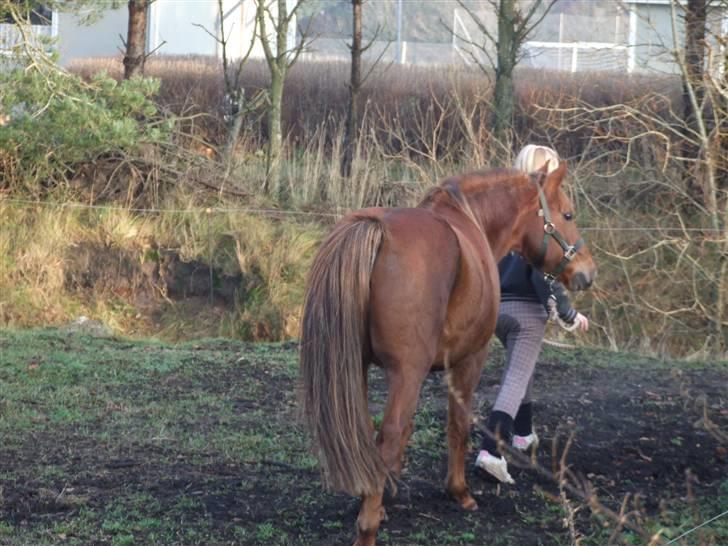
{"x": 524, "y": 28}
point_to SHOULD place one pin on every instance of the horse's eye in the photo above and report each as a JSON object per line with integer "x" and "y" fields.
{"x": 568, "y": 216}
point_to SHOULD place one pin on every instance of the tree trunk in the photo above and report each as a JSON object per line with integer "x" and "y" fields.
{"x": 695, "y": 26}
{"x": 136, "y": 39}
{"x": 237, "y": 100}
{"x": 352, "y": 121}
{"x": 704, "y": 177}
{"x": 278, "y": 64}
{"x": 506, "y": 53}
{"x": 275, "y": 132}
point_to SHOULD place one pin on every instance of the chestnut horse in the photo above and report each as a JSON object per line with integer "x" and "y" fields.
{"x": 414, "y": 290}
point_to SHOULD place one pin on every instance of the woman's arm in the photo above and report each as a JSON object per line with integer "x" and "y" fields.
{"x": 563, "y": 306}
{"x": 557, "y": 303}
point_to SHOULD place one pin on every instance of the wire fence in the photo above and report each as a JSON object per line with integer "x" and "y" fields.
{"x": 206, "y": 210}
{"x": 658, "y": 288}
{"x": 274, "y": 213}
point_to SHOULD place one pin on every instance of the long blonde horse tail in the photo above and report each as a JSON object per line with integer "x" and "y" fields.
{"x": 333, "y": 339}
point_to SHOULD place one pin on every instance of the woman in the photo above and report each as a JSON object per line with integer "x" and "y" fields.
{"x": 527, "y": 302}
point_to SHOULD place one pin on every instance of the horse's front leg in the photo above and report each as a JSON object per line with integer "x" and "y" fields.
{"x": 462, "y": 381}
{"x": 404, "y": 384}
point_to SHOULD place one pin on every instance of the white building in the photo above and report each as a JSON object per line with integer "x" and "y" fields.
{"x": 625, "y": 36}
{"x": 651, "y": 33}
{"x": 628, "y": 36}
{"x": 174, "y": 27}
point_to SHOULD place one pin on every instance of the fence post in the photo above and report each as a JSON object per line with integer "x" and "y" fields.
{"x": 632, "y": 40}
{"x": 561, "y": 38}
{"x": 399, "y": 32}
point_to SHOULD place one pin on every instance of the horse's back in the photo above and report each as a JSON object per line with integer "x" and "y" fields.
{"x": 412, "y": 278}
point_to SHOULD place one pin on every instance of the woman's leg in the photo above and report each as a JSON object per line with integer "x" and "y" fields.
{"x": 520, "y": 328}
{"x": 523, "y": 422}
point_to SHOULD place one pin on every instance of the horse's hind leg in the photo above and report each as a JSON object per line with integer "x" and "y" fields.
{"x": 462, "y": 381}
{"x": 404, "y": 388}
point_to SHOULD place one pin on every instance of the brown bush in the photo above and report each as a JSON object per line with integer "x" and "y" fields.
{"x": 316, "y": 95}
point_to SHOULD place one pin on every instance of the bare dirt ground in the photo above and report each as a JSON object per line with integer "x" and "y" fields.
{"x": 107, "y": 441}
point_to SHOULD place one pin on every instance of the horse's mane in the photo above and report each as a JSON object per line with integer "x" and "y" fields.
{"x": 450, "y": 189}
{"x": 454, "y": 189}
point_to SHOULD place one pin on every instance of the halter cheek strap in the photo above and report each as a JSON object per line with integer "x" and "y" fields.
{"x": 550, "y": 230}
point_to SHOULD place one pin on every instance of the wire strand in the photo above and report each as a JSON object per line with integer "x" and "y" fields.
{"x": 686, "y": 533}
{"x": 220, "y": 210}
{"x": 288, "y": 212}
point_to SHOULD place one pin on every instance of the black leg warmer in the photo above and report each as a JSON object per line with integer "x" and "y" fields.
{"x": 500, "y": 426}
{"x": 523, "y": 425}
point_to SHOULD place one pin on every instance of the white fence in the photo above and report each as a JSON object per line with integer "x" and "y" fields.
{"x": 11, "y": 37}
{"x": 577, "y": 56}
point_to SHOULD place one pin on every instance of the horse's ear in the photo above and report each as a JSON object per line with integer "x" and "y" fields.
{"x": 555, "y": 178}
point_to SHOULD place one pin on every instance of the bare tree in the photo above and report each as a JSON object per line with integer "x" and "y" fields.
{"x": 235, "y": 97}
{"x": 708, "y": 139}
{"x": 274, "y": 20}
{"x": 647, "y": 139}
{"x": 136, "y": 38}
{"x": 135, "y": 53}
{"x": 696, "y": 12}
{"x": 352, "y": 125}
{"x": 516, "y": 21}
{"x": 695, "y": 28}
{"x": 353, "y": 121}
{"x": 89, "y": 11}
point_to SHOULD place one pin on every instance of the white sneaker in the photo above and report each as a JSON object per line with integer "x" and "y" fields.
{"x": 524, "y": 443}
{"x": 495, "y": 466}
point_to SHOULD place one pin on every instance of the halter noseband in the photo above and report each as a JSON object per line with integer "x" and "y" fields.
{"x": 549, "y": 229}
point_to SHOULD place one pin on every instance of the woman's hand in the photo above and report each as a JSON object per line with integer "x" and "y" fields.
{"x": 581, "y": 323}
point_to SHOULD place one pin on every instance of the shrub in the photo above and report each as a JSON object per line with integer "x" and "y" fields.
{"x": 57, "y": 122}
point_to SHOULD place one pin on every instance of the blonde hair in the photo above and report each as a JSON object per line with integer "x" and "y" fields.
{"x": 532, "y": 157}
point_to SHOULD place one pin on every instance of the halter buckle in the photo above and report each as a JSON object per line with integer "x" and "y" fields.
{"x": 569, "y": 253}
{"x": 549, "y": 227}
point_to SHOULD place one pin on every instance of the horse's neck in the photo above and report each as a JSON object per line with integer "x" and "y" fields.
{"x": 501, "y": 211}
{"x": 497, "y": 211}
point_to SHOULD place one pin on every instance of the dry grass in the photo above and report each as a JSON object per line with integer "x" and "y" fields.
{"x": 44, "y": 248}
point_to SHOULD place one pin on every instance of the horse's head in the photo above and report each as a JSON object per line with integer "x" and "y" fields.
{"x": 552, "y": 242}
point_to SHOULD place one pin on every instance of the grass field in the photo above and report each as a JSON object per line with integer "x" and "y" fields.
{"x": 111, "y": 441}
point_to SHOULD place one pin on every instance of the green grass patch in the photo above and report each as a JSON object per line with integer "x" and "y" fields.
{"x": 112, "y": 441}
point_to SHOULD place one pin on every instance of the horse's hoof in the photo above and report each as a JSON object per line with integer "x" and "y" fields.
{"x": 469, "y": 504}
{"x": 367, "y": 537}
{"x": 465, "y": 500}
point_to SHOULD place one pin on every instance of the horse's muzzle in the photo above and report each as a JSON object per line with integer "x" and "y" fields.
{"x": 582, "y": 281}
